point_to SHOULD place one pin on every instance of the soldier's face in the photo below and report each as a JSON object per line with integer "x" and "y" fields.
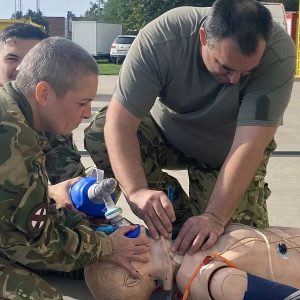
{"x": 12, "y": 53}
{"x": 224, "y": 60}
{"x": 63, "y": 114}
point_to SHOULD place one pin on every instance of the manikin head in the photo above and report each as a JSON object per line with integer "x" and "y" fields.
{"x": 59, "y": 79}
{"x": 15, "y": 42}
{"x": 233, "y": 38}
{"x": 100, "y": 277}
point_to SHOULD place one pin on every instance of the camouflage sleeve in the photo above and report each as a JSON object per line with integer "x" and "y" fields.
{"x": 32, "y": 233}
{"x": 62, "y": 158}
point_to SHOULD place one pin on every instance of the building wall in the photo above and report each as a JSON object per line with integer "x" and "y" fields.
{"x": 56, "y": 26}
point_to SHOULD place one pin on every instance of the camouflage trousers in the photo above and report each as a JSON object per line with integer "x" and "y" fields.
{"x": 158, "y": 156}
{"x": 19, "y": 283}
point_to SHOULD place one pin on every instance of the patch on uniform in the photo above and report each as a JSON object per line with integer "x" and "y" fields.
{"x": 37, "y": 219}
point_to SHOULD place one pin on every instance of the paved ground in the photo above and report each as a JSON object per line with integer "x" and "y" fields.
{"x": 283, "y": 175}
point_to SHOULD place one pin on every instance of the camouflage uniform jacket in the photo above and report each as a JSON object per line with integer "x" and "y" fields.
{"x": 32, "y": 231}
{"x": 62, "y": 158}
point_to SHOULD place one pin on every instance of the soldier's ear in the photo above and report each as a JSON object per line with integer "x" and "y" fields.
{"x": 202, "y": 35}
{"x": 43, "y": 92}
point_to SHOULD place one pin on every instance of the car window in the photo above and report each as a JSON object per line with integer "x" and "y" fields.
{"x": 124, "y": 40}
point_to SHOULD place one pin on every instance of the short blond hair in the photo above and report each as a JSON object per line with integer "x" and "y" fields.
{"x": 108, "y": 281}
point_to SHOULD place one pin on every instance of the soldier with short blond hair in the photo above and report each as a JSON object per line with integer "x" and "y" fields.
{"x": 50, "y": 93}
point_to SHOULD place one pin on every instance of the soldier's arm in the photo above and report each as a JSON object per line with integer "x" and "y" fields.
{"x": 62, "y": 158}
{"x": 32, "y": 233}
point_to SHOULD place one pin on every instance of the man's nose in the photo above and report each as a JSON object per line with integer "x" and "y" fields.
{"x": 234, "y": 77}
{"x": 87, "y": 112}
{"x": 18, "y": 69}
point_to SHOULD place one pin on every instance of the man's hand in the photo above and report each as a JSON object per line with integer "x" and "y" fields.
{"x": 60, "y": 193}
{"x": 155, "y": 209}
{"x": 198, "y": 232}
{"x": 125, "y": 250}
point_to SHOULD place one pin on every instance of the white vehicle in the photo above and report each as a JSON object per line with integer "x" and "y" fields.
{"x": 94, "y": 37}
{"x": 120, "y": 47}
{"x": 278, "y": 13}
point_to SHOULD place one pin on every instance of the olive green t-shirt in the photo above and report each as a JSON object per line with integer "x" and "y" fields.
{"x": 164, "y": 73}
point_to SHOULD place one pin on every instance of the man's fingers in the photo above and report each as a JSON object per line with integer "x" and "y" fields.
{"x": 168, "y": 208}
{"x": 74, "y": 180}
{"x": 139, "y": 250}
{"x": 140, "y": 258}
{"x": 210, "y": 241}
{"x": 180, "y": 237}
{"x": 151, "y": 228}
{"x": 189, "y": 236}
{"x": 197, "y": 243}
{"x": 125, "y": 229}
{"x": 141, "y": 240}
{"x": 156, "y": 221}
{"x": 165, "y": 222}
{"x": 188, "y": 239}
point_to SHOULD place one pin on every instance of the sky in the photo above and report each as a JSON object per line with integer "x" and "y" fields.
{"x": 49, "y": 8}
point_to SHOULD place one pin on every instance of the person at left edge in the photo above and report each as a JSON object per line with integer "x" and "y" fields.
{"x": 62, "y": 157}
{"x": 51, "y": 93}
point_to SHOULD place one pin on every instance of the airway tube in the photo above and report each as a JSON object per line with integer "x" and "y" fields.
{"x": 259, "y": 288}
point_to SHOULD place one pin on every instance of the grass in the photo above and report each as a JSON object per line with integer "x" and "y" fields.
{"x": 108, "y": 68}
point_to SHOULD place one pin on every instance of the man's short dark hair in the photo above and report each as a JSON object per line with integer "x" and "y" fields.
{"x": 245, "y": 20}
{"x": 58, "y": 61}
{"x": 22, "y": 31}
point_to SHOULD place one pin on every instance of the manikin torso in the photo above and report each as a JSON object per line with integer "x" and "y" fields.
{"x": 253, "y": 251}
{"x": 250, "y": 250}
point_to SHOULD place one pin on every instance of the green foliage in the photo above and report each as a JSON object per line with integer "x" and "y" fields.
{"x": 94, "y": 13}
{"x": 134, "y": 14}
{"x": 108, "y": 69}
{"x": 36, "y": 17}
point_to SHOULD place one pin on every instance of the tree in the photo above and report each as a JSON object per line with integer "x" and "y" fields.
{"x": 134, "y": 14}
{"x": 17, "y": 15}
{"x": 94, "y": 13}
{"x": 36, "y": 17}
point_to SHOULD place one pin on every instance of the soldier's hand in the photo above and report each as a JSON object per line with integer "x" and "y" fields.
{"x": 155, "y": 209}
{"x": 60, "y": 193}
{"x": 126, "y": 250}
{"x": 198, "y": 232}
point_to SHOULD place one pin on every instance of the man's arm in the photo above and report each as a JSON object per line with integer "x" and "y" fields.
{"x": 152, "y": 206}
{"x": 62, "y": 158}
{"x": 34, "y": 233}
{"x": 236, "y": 174}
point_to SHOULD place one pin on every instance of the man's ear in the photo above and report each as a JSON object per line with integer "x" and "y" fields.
{"x": 202, "y": 35}
{"x": 43, "y": 92}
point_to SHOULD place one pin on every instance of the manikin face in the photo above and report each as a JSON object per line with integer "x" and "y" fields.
{"x": 12, "y": 53}
{"x": 99, "y": 276}
{"x": 63, "y": 114}
{"x": 224, "y": 60}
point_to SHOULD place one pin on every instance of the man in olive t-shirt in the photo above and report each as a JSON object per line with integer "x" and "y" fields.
{"x": 203, "y": 89}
